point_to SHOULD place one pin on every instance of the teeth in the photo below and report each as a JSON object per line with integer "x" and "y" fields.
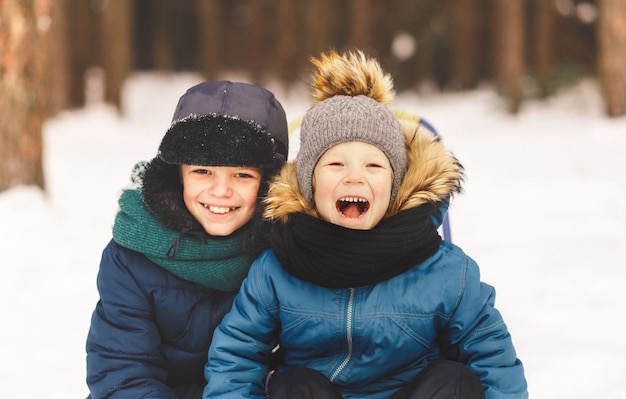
{"x": 218, "y": 209}
{"x": 353, "y": 199}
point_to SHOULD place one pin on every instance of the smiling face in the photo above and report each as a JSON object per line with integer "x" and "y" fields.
{"x": 221, "y": 198}
{"x": 352, "y": 185}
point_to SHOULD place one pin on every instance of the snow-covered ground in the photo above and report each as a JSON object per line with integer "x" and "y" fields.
{"x": 543, "y": 213}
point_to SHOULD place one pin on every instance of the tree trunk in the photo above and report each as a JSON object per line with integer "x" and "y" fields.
{"x": 543, "y": 47}
{"x": 320, "y": 36}
{"x": 257, "y": 45}
{"x": 58, "y": 72}
{"x": 611, "y": 58}
{"x": 509, "y": 49}
{"x": 465, "y": 43}
{"x": 23, "y": 62}
{"x": 116, "y": 47}
{"x": 359, "y": 35}
{"x": 287, "y": 56}
{"x": 162, "y": 44}
{"x": 210, "y": 37}
{"x": 81, "y": 49}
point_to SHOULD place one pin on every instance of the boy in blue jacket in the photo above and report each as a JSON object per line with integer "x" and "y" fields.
{"x": 183, "y": 241}
{"x": 359, "y": 292}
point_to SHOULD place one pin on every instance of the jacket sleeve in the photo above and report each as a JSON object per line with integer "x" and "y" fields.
{"x": 477, "y": 336}
{"x": 123, "y": 360}
{"x": 239, "y": 354}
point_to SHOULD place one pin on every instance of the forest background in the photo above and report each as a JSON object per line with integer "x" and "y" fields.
{"x": 51, "y": 49}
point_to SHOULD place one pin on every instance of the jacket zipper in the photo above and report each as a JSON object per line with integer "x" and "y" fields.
{"x": 349, "y": 317}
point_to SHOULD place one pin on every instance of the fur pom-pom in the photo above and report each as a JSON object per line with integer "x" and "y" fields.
{"x": 350, "y": 74}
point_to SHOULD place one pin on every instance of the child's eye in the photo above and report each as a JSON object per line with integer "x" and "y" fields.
{"x": 244, "y": 175}
{"x": 201, "y": 171}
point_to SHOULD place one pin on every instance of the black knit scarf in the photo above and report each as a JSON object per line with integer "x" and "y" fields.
{"x": 332, "y": 256}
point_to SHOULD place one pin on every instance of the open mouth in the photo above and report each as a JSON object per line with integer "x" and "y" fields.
{"x": 219, "y": 209}
{"x": 352, "y": 207}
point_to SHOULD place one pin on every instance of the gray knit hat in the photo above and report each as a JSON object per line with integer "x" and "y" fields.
{"x": 343, "y": 118}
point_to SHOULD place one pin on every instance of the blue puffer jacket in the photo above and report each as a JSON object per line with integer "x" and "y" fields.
{"x": 373, "y": 339}
{"x": 370, "y": 340}
{"x": 150, "y": 331}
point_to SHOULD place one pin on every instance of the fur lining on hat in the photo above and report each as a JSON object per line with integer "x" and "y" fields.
{"x": 216, "y": 140}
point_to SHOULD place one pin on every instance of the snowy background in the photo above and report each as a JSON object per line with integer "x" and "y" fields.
{"x": 543, "y": 213}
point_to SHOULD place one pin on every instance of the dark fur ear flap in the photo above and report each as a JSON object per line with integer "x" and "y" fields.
{"x": 163, "y": 194}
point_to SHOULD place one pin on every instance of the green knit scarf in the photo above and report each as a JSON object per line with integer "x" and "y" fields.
{"x": 215, "y": 262}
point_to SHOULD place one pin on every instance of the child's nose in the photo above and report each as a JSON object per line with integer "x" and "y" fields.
{"x": 221, "y": 187}
{"x": 354, "y": 175}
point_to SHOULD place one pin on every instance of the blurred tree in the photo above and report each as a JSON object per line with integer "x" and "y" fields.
{"x": 24, "y": 55}
{"x": 288, "y": 59}
{"x": 116, "y": 50}
{"x": 360, "y": 25}
{"x": 83, "y": 43}
{"x": 163, "y": 40}
{"x": 466, "y": 42}
{"x": 210, "y": 37}
{"x": 509, "y": 50}
{"x": 322, "y": 22}
{"x": 236, "y": 34}
{"x": 259, "y": 39}
{"x": 58, "y": 72}
{"x": 543, "y": 60}
{"x": 611, "y": 57}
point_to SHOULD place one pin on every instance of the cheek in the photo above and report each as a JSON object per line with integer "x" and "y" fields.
{"x": 188, "y": 198}
{"x": 323, "y": 183}
{"x": 190, "y": 190}
{"x": 249, "y": 194}
{"x": 384, "y": 184}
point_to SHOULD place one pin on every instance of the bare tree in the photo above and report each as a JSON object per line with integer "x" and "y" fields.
{"x": 466, "y": 17}
{"x": 163, "y": 39}
{"x": 611, "y": 59}
{"x": 320, "y": 23}
{"x": 286, "y": 50}
{"x": 82, "y": 42}
{"x": 509, "y": 49}
{"x": 116, "y": 53}
{"x": 24, "y": 27}
{"x": 58, "y": 73}
{"x": 360, "y": 20}
{"x": 210, "y": 37}
{"x": 543, "y": 44}
{"x": 257, "y": 53}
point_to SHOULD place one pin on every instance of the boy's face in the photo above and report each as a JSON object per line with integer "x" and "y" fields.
{"x": 352, "y": 185}
{"x": 221, "y": 198}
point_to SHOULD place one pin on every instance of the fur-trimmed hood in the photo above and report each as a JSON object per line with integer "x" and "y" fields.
{"x": 433, "y": 175}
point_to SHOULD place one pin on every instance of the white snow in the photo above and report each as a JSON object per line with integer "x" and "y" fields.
{"x": 543, "y": 213}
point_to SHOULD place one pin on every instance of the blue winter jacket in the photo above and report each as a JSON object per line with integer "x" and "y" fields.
{"x": 150, "y": 331}
{"x": 371, "y": 340}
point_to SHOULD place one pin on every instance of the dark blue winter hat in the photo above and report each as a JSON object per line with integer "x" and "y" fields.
{"x": 227, "y": 124}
